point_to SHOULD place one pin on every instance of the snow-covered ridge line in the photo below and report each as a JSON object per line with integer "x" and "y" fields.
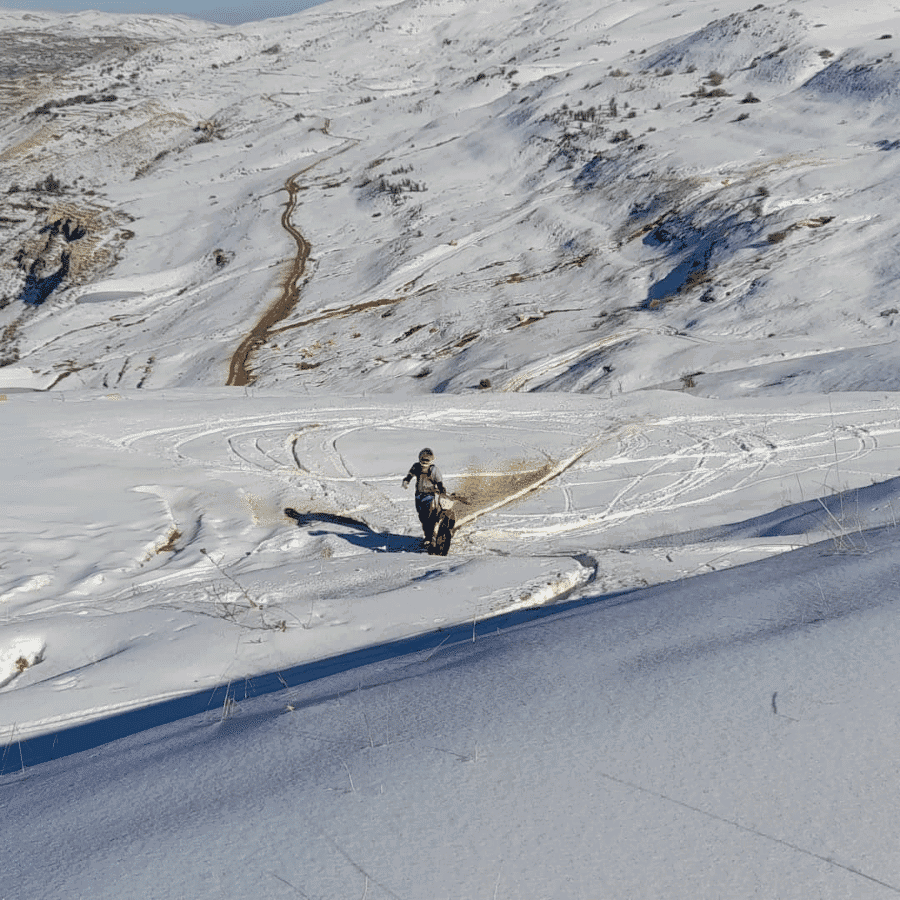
{"x": 169, "y": 25}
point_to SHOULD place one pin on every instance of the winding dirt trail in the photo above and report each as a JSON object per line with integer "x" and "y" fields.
{"x": 239, "y": 374}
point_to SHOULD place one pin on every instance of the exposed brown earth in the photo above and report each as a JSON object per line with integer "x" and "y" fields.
{"x": 341, "y": 313}
{"x": 238, "y": 372}
{"x": 479, "y": 489}
{"x": 483, "y": 492}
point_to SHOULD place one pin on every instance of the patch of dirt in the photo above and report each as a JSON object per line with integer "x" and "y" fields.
{"x": 480, "y": 489}
{"x": 170, "y": 543}
{"x": 776, "y": 237}
{"x": 263, "y": 511}
{"x": 89, "y": 236}
{"x": 239, "y": 374}
{"x": 341, "y": 313}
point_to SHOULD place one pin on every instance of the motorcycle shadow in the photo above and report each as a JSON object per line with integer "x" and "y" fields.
{"x": 355, "y": 532}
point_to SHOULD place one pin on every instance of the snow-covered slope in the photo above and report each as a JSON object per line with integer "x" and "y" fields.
{"x": 554, "y": 196}
{"x": 733, "y": 735}
{"x": 140, "y": 526}
{"x": 607, "y": 259}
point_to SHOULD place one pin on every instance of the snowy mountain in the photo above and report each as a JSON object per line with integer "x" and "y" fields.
{"x": 628, "y": 268}
{"x": 555, "y": 196}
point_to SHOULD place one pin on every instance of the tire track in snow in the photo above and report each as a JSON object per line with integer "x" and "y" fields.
{"x": 670, "y": 463}
{"x": 566, "y": 359}
{"x": 720, "y": 463}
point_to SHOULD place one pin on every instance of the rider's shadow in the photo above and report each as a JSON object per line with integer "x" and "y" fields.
{"x": 358, "y": 533}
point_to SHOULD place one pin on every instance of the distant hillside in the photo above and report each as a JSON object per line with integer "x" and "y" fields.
{"x": 445, "y": 197}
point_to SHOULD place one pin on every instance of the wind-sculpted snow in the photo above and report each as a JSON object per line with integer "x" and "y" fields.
{"x": 187, "y": 544}
{"x": 745, "y": 41}
{"x": 866, "y": 75}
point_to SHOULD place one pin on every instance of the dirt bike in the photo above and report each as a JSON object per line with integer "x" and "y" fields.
{"x": 445, "y": 525}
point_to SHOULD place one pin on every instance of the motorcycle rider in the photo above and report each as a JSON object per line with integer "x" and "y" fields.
{"x": 429, "y": 484}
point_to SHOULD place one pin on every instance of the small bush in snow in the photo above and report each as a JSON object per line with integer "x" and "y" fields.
{"x": 209, "y": 130}
{"x": 50, "y": 185}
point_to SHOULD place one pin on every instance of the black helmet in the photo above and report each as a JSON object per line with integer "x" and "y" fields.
{"x": 426, "y": 455}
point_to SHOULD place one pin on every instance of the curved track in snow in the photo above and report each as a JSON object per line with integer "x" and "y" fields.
{"x": 615, "y": 479}
{"x": 239, "y": 374}
{"x": 190, "y": 523}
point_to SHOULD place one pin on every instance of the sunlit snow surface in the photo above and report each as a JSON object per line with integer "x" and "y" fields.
{"x": 562, "y": 196}
{"x": 670, "y": 669}
{"x": 699, "y": 717}
{"x": 142, "y": 528}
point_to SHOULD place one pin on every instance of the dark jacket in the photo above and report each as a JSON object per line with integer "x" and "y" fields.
{"x": 428, "y": 479}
